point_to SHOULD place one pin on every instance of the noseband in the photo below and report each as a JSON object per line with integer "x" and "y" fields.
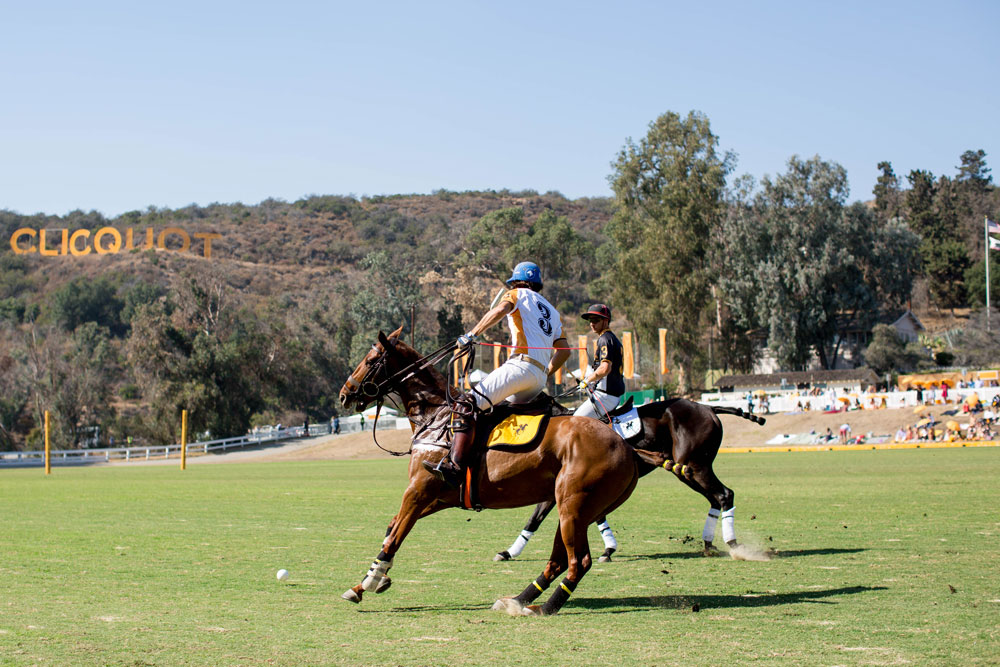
{"x": 368, "y": 387}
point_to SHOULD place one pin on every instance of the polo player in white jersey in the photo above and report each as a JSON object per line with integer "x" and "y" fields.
{"x": 539, "y": 349}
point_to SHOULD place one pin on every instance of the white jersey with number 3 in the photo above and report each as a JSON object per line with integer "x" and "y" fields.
{"x": 534, "y": 323}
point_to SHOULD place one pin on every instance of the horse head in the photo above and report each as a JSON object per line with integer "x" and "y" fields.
{"x": 370, "y": 379}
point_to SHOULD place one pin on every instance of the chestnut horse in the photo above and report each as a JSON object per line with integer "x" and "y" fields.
{"x": 688, "y": 435}
{"x": 580, "y": 463}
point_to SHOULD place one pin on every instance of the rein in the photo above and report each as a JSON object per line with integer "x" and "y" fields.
{"x": 376, "y": 391}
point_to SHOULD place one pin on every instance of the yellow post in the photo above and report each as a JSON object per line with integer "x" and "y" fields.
{"x": 48, "y": 460}
{"x": 581, "y": 342}
{"x": 628, "y": 361}
{"x": 663, "y": 352}
{"x": 184, "y": 439}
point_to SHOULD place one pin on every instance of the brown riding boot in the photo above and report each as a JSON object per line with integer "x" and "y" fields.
{"x": 451, "y": 469}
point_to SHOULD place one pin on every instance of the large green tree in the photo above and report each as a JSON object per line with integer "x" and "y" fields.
{"x": 669, "y": 198}
{"x": 804, "y": 266}
{"x": 932, "y": 210}
{"x": 382, "y": 301}
{"x": 504, "y": 237}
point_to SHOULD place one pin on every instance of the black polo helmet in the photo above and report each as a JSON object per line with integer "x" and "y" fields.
{"x": 597, "y": 310}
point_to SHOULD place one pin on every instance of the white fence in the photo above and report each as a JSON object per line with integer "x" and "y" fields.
{"x": 147, "y": 453}
{"x": 792, "y": 400}
{"x": 350, "y": 424}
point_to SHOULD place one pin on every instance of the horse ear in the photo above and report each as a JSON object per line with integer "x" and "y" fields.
{"x": 383, "y": 341}
{"x": 395, "y": 334}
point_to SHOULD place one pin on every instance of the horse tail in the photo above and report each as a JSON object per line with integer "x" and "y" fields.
{"x": 738, "y": 412}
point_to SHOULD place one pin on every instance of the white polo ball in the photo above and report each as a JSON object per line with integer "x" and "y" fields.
{"x": 282, "y": 575}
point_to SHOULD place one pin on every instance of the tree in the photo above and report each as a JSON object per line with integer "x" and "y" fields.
{"x": 81, "y": 382}
{"x": 975, "y": 200}
{"x": 83, "y": 300}
{"x": 945, "y": 264}
{"x": 973, "y": 170}
{"x": 919, "y": 205}
{"x": 563, "y": 255}
{"x": 503, "y": 238}
{"x": 888, "y": 352}
{"x": 383, "y": 301}
{"x": 449, "y": 320}
{"x": 977, "y": 346}
{"x": 888, "y": 197}
{"x": 668, "y": 195}
{"x": 975, "y": 283}
{"x": 932, "y": 211}
{"x": 805, "y": 266}
{"x": 489, "y": 240}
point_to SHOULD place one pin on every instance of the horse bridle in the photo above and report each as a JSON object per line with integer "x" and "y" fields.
{"x": 354, "y": 385}
{"x": 375, "y": 390}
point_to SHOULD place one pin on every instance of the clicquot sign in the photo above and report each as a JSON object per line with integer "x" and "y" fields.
{"x": 107, "y": 241}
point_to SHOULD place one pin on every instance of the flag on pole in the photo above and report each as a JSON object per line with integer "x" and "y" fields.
{"x": 992, "y": 227}
{"x": 628, "y": 360}
{"x": 663, "y": 352}
{"x": 994, "y": 243}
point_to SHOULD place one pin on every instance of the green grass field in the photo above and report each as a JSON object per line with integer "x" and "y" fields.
{"x": 882, "y": 558}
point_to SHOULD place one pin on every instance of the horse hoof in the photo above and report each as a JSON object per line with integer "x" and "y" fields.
{"x": 510, "y": 605}
{"x": 606, "y": 556}
{"x": 532, "y": 610}
{"x": 383, "y": 585}
{"x": 352, "y": 596}
{"x": 503, "y": 555}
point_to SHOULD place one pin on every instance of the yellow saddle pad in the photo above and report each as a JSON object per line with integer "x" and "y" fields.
{"x": 515, "y": 430}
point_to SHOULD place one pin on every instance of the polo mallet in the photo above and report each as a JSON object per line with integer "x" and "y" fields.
{"x": 597, "y": 404}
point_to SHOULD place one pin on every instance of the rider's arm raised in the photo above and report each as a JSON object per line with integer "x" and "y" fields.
{"x": 492, "y": 316}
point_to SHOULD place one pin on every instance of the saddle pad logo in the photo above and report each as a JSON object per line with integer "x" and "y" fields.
{"x": 627, "y": 425}
{"x": 515, "y": 430}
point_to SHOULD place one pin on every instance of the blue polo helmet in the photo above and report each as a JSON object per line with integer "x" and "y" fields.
{"x": 528, "y": 272}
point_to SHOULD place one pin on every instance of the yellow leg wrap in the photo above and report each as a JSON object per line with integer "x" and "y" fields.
{"x": 568, "y": 591}
{"x": 667, "y": 465}
{"x": 540, "y": 589}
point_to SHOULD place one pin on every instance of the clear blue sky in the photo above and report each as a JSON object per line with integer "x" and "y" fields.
{"x": 117, "y": 106}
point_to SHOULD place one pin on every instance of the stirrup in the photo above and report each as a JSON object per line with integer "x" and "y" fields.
{"x": 446, "y": 471}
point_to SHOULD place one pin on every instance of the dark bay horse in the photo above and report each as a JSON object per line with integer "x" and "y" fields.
{"x": 580, "y": 464}
{"x": 688, "y": 436}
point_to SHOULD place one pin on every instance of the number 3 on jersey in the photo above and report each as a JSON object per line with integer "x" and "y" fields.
{"x": 543, "y": 321}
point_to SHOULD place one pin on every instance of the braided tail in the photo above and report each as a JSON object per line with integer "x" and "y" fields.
{"x": 738, "y": 412}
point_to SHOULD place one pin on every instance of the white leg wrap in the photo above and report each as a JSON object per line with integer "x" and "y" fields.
{"x": 608, "y": 535}
{"x": 376, "y": 573}
{"x": 729, "y": 525}
{"x": 708, "y": 532}
{"x": 519, "y": 544}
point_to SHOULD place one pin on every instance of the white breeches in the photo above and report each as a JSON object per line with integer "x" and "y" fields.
{"x": 587, "y": 409}
{"x": 516, "y": 379}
